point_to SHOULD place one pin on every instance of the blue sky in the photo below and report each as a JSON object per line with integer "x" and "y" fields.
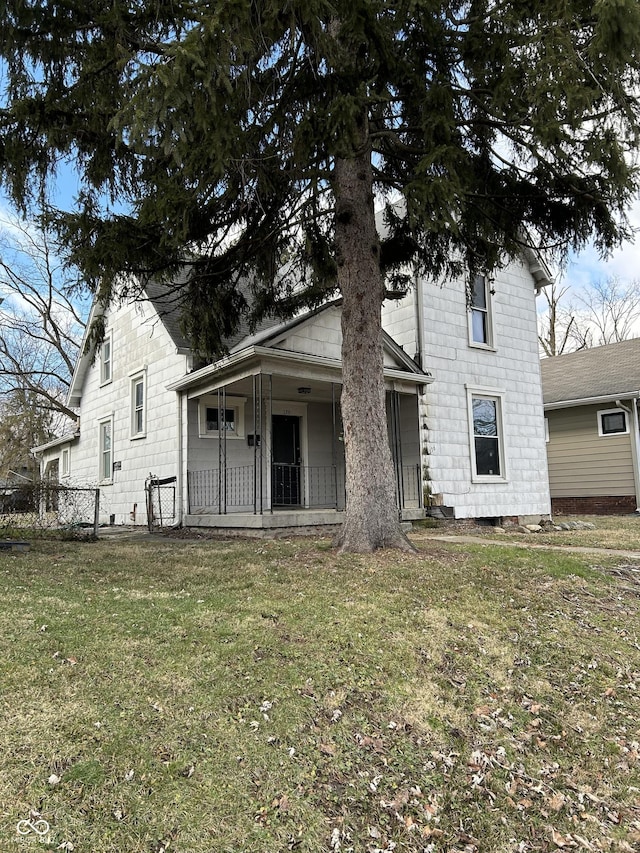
{"x": 587, "y": 266}
{"x": 581, "y": 269}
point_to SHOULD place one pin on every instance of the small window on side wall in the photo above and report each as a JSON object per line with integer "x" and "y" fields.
{"x": 480, "y": 316}
{"x": 106, "y": 359}
{"x": 613, "y": 422}
{"x": 106, "y": 451}
{"x": 138, "y": 406}
{"x": 65, "y": 462}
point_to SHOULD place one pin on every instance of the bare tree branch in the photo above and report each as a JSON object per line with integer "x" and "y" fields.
{"x": 41, "y": 320}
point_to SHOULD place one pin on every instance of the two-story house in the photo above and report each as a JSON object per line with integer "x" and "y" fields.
{"x": 254, "y": 441}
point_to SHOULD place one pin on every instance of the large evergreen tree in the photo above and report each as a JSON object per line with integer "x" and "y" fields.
{"x": 247, "y": 139}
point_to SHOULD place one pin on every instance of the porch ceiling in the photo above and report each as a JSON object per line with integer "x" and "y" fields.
{"x": 286, "y": 388}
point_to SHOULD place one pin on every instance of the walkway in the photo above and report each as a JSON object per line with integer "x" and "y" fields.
{"x": 470, "y": 539}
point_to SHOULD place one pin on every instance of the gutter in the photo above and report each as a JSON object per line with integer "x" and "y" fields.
{"x": 590, "y": 401}
{"x": 635, "y": 442}
{"x": 220, "y": 369}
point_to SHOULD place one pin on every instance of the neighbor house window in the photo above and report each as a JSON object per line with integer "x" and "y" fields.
{"x": 231, "y": 415}
{"x": 485, "y": 424}
{"x": 65, "y": 462}
{"x": 480, "y": 317}
{"x": 106, "y": 357}
{"x": 106, "y": 450}
{"x": 613, "y": 422}
{"x": 138, "y": 406}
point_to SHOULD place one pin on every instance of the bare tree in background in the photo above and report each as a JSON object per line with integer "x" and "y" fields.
{"x": 605, "y": 312}
{"x": 556, "y": 326}
{"x": 42, "y": 314}
{"x": 608, "y": 312}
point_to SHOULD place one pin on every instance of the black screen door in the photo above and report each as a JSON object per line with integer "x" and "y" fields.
{"x": 285, "y": 478}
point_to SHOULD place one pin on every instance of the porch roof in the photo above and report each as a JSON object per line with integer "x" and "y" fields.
{"x": 260, "y": 359}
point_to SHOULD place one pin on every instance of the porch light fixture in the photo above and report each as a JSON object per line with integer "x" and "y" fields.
{"x": 304, "y": 390}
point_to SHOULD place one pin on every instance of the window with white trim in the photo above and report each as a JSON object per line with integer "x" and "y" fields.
{"x": 613, "y": 422}
{"x": 138, "y": 406}
{"x": 65, "y": 462}
{"x": 487, "y": 444}
{"x": 106, "y": 359}
{"x": 211, "y": 412}
{"x": 480, "y": 315}
{"x": 106, "y": 450}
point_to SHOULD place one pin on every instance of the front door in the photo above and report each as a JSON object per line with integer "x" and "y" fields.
{"x": 285, "y": 476}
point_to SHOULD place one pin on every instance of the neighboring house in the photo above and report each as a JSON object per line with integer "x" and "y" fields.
{"x": 482, "y": 419}
{"x": 251, "y": 441}
{"x": 255, "y": 441}
{"x": 591, "y": 406}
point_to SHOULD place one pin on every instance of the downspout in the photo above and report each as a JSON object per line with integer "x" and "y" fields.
{"x": 419, "y": 305}
{"x": 180, "y": 475}
{"x": 635, "y": 443}
{"x": 420, "y": 359}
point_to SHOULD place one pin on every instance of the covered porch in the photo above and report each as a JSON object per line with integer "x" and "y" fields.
{"x": 262, "y": 441}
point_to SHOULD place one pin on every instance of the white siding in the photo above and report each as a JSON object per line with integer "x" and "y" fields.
{"x": 512, "y": 369}
{"x": 140, "y": 342}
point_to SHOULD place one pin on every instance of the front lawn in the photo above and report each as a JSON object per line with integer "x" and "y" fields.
{"x": 258, "y": 697}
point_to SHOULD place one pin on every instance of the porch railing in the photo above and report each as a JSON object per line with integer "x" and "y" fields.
{"x": 411, "y": 486}
{"x": 308, "y": 486}
{"x": 234, "y": 490}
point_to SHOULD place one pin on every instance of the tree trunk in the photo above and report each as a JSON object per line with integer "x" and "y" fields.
{"x": 371, "y": 518}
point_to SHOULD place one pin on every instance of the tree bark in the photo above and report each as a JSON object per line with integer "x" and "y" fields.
{"x": 371, "y": 519}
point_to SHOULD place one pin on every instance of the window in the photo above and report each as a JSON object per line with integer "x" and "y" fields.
{"x": 213, "y": 415}
{"x": 613, "y": 422}
{"x": 106, "y": 349}
{"x": 233, "y": 417}
{"x": 106, "y": 450}
{"x": 138, "y": 406}
{"x": 65, "y": 462}
{"x": 485, "y": 424}
{"x": 480, "y": 319}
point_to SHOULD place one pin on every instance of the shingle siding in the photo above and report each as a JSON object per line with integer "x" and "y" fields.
{"x": 513, "y": 369}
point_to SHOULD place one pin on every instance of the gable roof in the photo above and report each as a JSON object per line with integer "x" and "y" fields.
{"x": 167, "y": 302}
{"x": 269, "y": 342}
{"x": 607, "y": 372}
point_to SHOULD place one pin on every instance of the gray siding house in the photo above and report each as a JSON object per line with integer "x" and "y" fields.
{"x": 591, "y": 408}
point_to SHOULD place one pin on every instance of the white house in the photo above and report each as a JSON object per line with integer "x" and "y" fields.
{"x": 482, "y": 419}
{"x": 251, "y": 441}
{"x": 254, "y": 440}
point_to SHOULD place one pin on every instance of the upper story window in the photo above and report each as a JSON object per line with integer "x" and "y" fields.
{"x": 480, "y": 315}
{"x": 613, "y": 422}
{"x": 106, "y": 359}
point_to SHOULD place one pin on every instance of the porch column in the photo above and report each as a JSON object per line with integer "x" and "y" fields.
{"x": 268, "y": 442}
{"x": 258, "y": 438}
{"x": 396, "y": 445}
{"x": 222, "y": 451}
{"x": 334, "y": 445}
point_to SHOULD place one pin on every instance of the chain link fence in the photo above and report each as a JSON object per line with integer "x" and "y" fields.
{"x": 38, "y": 507}
{"x": 161, "y": 501}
